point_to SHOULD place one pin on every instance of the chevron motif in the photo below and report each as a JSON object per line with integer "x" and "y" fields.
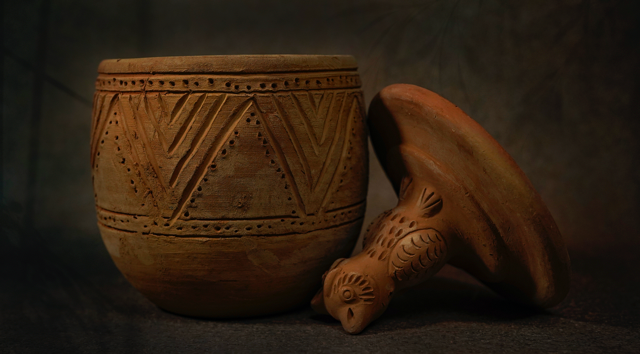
{"x": 318, "y": 106}
{"x": 181, "y": 134}
{"x": 316, "y": 126}
{"x": 171, "y": 127}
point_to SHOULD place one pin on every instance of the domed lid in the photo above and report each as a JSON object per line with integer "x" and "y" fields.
{"x": 506, "y": 235}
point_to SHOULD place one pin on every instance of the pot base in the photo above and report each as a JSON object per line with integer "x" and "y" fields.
{"x": 228, "y": 277}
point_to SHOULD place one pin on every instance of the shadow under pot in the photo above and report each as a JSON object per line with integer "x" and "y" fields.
{"x": 226, "y": 185}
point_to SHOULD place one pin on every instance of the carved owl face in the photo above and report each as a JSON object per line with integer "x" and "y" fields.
{"x": 350, "y": 296}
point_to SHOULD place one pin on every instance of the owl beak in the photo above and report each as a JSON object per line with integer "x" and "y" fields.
{"x": 353, "y": 319}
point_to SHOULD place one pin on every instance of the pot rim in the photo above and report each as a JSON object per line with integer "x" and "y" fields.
{"x": 229, "y": 64}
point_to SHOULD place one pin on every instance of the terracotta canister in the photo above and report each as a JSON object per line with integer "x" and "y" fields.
{"x": 226, "y": 185}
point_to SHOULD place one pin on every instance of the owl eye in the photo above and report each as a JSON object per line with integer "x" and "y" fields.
{"x": 348, "y": 294}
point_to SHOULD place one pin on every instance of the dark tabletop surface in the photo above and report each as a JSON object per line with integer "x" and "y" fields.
{"x": 82, "y": 303}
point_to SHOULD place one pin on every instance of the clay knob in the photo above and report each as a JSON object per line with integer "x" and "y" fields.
{"x": 462, "y": 201}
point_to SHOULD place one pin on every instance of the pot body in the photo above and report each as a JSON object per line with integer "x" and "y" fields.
{"x": 226, "y": 185}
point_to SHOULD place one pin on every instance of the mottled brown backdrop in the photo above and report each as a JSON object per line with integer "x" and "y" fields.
{"x": 557, "y": 83}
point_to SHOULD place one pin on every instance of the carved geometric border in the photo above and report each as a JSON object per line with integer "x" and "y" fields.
{"x": 228, "y": 83}
{"x": 251, "y": 100}
{"x": 231, "y": 227}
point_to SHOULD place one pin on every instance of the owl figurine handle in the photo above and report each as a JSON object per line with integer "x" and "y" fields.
{"x": 402, "y": 247}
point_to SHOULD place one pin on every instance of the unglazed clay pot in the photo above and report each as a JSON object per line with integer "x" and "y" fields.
{"x": 226, "y": 185}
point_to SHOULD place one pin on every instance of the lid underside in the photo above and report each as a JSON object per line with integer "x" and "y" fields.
{"x": 502, "y": 218}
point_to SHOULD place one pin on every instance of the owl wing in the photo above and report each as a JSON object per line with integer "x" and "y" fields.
{"x": 420, "y": 253}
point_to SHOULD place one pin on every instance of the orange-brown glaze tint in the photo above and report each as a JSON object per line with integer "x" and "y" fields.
{"x": 462, "y": 200}
{"x": 225, "y": 185}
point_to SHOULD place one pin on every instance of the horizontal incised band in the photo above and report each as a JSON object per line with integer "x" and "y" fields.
{"x": 231, "y": 227}
{"x": 228, "y": 83}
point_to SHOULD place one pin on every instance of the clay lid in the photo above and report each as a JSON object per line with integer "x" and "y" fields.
{"x": 229, "y": 64}
{"x": 506, "y": 235}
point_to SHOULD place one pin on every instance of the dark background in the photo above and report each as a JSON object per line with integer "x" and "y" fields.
{"x": 557, "y": 83}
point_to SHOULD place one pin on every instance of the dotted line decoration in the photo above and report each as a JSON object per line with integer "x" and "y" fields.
{"x": 227, "y": 84}
{"x": 221, "y": 228}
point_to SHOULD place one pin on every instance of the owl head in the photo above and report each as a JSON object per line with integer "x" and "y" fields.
{"x": 352, "y": 295}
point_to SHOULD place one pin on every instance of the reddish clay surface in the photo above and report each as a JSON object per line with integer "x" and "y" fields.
{"x": 462, "y": 200}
